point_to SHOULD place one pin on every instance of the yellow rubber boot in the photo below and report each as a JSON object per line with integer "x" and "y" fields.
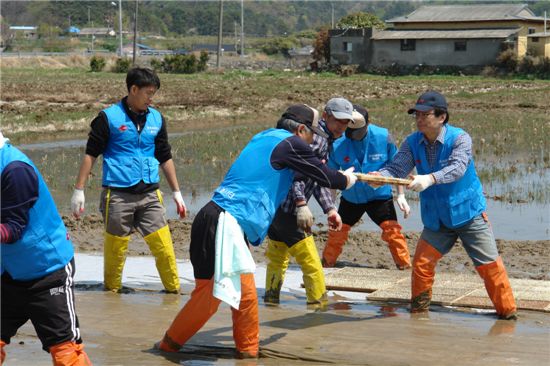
{"x": 305, "y": 253}
{"x": 114, "y": 256}
{"x": 160, "y": 243}
{"x": 277, "y": 255}
{"x": 335, "y": 244}
{"x": 391, "y": 234}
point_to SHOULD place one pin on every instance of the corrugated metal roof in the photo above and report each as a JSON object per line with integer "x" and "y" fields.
{"x": 471, "y": 12}
{"x": 445, "y": 34}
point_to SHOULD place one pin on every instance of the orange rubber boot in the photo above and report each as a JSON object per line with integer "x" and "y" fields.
{"x": 335, "y": 243}
{"x": 498, "y": 288}
{"x": 200, "y": 307}
{"x": 246, "y": 325}
{"x": 424, "y": 263}
{"x": 391, "y": 234}
{"x": 2, "y": 352}
{"x": 69, "y": 354}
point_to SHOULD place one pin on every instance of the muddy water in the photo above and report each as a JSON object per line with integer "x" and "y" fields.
{"x": 120, "y": 329}
{"x": 199, "y": 172}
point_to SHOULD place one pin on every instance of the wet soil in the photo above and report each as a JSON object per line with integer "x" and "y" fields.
{"x": 524, "y": 259}
{"x": 120, "y": 329}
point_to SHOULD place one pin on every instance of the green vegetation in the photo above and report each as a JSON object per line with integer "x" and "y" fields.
{"x": 360, "y": 20}
{"x": 97, "y": 63}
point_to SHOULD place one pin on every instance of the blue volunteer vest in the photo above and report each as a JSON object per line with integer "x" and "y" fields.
{"x": 130, "y": 155}
{"x": 377, "y": 152}
{"x": 252, "y": 190}
{"x": 451, "y": 204}
{"x": 44, "y": 246}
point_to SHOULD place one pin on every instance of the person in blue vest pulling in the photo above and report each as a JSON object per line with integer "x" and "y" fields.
{"x": 252, "y": 190}
{"x": 367, "y": 147}
{"x": 290, "y": 232}
{"x": 133, "y": 139}
{"x": 451, "y": 202}
{"x": 37, "y": 264}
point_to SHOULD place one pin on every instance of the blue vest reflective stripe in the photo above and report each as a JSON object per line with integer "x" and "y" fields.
{"x": 130, "y": 155}
{"x": 376, "y": 154}
{"x": 451, "y": 204}
{"x": 44, "y": 246}
{"x": 252, "y": 190}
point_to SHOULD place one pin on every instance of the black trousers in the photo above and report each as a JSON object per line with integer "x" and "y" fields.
{"x": 48, "y": 302}
{"x": 378, "y": 211}
{"x": 284, "y": 228}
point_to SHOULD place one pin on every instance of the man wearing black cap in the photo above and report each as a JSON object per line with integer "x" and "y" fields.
{"x": 251, "y": 191}
{"x": 367, "y": 147}
{"x": 452, "y": 204}
{"x": 290, "y": 232}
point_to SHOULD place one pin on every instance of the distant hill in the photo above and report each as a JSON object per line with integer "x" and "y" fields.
{"x": 261, "y": 18}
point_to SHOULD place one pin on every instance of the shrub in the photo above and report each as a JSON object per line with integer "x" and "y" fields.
{"x": 508, "y": 60}
{"x": 122, "y": 65}
{"x": 279, "y": 45}
{"x": 528, "y": 65}
{"x": 156, "y": 64}
{"x": 97, "y": 63}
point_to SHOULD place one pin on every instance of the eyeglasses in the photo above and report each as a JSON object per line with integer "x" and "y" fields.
{"x": 422, "y": 114}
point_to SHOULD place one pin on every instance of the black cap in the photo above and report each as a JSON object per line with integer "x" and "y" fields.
{"x": 428, "y": 101}
{"x": 304, "y": 114}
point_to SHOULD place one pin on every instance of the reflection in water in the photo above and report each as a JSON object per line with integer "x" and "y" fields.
{"x": 502, "y": 327}
{"x": 388, "y": 311}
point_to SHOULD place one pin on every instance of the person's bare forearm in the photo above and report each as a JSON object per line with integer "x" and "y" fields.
{"x": 85, "y": 169}
{"x": 169, "y": 170}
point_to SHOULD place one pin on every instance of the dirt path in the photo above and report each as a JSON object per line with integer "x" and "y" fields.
{"x": 523, "y": 259}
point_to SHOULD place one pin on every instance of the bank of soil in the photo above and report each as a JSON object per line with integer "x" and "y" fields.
{"x": 524, "y": 259}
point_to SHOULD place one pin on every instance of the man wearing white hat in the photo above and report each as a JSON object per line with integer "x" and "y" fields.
{"x": 290, "y": 231}
{"x": 367, "y": 147}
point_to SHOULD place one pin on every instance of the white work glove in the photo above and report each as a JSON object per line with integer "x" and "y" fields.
{"x": 77, "y": 202}
{"x": 352, "y": 178}
{"x": 421, "y": 182}
{"x": 304, "y": 218}
{"x": 403, "y": 205}
{"x": 334, "y": 220}
{"x": 180, "y": 205}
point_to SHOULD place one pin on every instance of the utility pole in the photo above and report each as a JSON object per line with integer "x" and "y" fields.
{"x": 218, "y": 58}
{"x": 236, "y": 39}
{"x": 120, "y": 25}
{"x": 332, "y": 17}
{"x": 242, "y": 28}
{"x": 88, "y": 16}
{"x": 135, "y": 34}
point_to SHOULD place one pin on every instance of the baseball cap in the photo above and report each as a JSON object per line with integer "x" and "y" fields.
{"x": 360, "y": 117}
{"x": 428, "y": 101}
{"x": 304, "y": 114}
{"x": 340, "y": 108}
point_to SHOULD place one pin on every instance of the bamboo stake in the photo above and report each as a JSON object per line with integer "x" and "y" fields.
{"x": 369, "y": 178}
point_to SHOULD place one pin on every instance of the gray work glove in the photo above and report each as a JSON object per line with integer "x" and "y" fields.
{"x": 304, "y": 218}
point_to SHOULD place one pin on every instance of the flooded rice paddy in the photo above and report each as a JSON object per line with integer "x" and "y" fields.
{"x": 517, "y": 189}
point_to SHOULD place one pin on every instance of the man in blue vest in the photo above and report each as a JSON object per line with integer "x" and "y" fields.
{"x": 367, "y": 147}
{"x": 37, "y": 264}
{"x": 132, "y": 137}
{"x": 290, "y": 232}
{"x": 251, "y": 192}
{"x": 452, "y": 204}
